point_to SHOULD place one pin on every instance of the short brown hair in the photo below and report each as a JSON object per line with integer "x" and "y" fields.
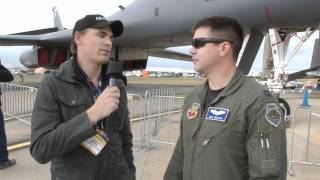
{"x": 226, "y": 27}
{"x": 73, "y": 46}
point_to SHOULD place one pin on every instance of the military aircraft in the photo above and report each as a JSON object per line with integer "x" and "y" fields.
{"x": 152, "y": 26}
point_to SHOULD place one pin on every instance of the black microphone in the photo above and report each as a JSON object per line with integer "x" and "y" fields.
{"x": 114, "y": 73}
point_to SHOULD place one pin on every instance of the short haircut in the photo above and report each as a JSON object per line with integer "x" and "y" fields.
{"x": 73, "y": 46}
{"x": 224, "y": 27}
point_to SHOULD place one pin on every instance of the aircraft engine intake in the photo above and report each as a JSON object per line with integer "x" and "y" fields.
{"x": 49, "y": 58}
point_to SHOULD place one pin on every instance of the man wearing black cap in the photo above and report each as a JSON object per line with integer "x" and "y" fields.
{"x": 79, "y": 123}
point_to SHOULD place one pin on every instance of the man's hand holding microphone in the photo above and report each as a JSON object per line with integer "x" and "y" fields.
{"x": 109, "y": 99}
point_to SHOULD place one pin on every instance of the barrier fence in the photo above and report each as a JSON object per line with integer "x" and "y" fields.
{"x": 306, "y": 159}
{"x": 157, "y": 122}
{"x": 154, "y": 116}
{"x": 135, "y": 106}
{"x": 17, "y": 101}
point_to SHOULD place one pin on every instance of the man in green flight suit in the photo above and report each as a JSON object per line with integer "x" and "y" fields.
{"x": 231, "y": 127}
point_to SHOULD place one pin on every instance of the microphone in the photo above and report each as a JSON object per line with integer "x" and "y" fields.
{"x": 114, "y": 73}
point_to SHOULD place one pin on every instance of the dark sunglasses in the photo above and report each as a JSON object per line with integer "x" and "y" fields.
{"x": 200, "y": 42}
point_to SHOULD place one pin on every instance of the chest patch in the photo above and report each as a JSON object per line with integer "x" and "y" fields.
{"x": 193, "y": 111}
{"x": 217, "y": 114}
{"x": 273, "y": 115}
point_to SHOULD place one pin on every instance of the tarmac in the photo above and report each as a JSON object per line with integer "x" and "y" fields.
{"x": 151, "y": 158}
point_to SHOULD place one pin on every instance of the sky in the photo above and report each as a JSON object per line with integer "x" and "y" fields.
{"x": 19, "y": 16}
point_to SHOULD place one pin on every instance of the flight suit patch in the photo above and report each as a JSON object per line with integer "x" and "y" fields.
{"x": 193, "y": 111}
{"x": 217, "y": 114}
{"x": 273, "y": 115}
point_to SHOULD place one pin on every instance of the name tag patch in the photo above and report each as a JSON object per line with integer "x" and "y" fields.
{"x": 217, "y": 114}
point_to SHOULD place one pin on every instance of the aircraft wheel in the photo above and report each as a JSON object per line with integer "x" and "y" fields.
{"x": 284, "y": 104}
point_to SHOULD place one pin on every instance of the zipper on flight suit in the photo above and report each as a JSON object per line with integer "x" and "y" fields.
{"x": 196, "y": 130}
{"x": 203, "y": 107}
{"x": 202, "y": 115}
{"x": 206, "y": 140}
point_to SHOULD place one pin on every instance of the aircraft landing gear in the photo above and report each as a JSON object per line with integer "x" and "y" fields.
{"x": 286, "y": 109}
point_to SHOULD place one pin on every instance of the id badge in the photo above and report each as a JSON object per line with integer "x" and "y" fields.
{"x": 96, "y": 143}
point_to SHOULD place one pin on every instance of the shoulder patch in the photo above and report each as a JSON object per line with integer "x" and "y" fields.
{"x": 273, "y": 115}
{"x": 193, "y": 111}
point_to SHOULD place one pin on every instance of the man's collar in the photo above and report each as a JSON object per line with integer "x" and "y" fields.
{"x": 234, "y": 83}
{"x": 232, "y": 86}
{"x": 80, "y": 75}
{"x": 71, "y": 71}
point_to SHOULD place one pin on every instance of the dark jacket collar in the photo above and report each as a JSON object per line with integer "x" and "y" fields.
{"x": 70, "y": 71}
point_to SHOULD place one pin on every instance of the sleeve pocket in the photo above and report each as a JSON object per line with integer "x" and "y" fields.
{"x": 262, "y": 158}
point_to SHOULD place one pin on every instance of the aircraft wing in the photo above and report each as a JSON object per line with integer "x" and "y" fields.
{"x": 302, "y": 74}
{"x": 39, "y": 31}
{"x": 51, "y": 49}
{"x": 314, "y": 74}
{"x": 56, "y": 39}
{"x": 170, "y": 54}
{"x": 17, "y": 40}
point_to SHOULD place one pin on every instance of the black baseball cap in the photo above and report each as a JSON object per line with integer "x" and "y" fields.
{"x": 98, "y": 21}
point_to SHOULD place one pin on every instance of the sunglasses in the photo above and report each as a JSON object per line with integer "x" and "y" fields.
{"x": 200, "y": 42}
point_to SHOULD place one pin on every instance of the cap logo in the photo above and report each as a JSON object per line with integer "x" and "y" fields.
{"x": 99, "y": 18}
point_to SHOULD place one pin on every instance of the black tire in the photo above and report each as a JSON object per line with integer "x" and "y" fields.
{"x": 286, "y": 105}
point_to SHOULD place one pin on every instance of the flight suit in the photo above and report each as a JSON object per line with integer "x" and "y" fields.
{"x": 240, "y": 135}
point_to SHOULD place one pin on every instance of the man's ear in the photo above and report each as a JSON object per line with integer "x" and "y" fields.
{"x": 76, "y": 38}
{"x": 225, "y": 49}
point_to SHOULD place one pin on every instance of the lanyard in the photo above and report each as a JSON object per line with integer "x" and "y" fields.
{"x": 96, "y": 91}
